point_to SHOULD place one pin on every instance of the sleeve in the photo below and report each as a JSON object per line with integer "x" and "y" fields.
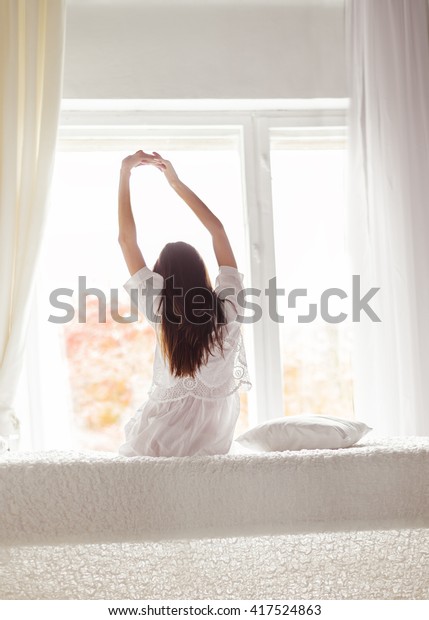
{"x": 145, "y": 289}
{"x": 229, "y": 283}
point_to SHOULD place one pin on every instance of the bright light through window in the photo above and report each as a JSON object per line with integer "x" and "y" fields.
{"x": 84, "y": 380}
{"x": 308, "y": 204}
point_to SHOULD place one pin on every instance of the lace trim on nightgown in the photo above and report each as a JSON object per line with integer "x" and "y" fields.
{"x": 198, "y": 388}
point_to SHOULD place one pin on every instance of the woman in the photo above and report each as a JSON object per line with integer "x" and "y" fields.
{"x": 200, "y": 362}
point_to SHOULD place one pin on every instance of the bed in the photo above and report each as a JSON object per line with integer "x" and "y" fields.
{"x": 322, "y": 524}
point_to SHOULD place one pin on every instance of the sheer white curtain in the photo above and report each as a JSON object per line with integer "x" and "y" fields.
{"x": 388, "y": 61}
{"x": 31, "y": 60}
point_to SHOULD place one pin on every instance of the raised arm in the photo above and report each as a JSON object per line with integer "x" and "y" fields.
{"x": 221, "y": 245}
{"x": 127, "y": 227}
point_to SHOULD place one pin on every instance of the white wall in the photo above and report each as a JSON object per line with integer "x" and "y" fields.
{"x": 265, "y": 49}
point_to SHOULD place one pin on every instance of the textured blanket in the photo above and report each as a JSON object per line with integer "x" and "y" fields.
{"x": 55, "y": 497}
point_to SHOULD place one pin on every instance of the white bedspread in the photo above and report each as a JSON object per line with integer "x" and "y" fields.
{"x": 61, "y": 497}
{"x": 345, "y": 524}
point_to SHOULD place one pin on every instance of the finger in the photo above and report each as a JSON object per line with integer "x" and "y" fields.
{"x": 158, "y": 164}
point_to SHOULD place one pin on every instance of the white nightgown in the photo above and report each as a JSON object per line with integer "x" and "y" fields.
{"x": 189, "y": 416}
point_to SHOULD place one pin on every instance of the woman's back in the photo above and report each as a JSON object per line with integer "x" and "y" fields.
{"x": 191, "y": 415}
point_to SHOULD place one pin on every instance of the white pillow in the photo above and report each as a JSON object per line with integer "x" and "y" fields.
{"x": 307, "y": 431}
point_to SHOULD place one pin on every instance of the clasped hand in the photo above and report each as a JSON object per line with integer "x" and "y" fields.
{"x": 140, "y": 158}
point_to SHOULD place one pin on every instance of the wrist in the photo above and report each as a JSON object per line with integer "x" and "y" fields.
{"x": 126, "y": 170}
{"x": 175, "y": 183}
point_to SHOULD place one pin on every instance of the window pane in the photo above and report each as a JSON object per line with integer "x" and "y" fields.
{"x": 308, "y": 204}
{"x": 109, "y": 364}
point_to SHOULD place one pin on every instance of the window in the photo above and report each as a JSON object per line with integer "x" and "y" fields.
{"x": 308, "y": 210}
{"x": 85, "y": 379}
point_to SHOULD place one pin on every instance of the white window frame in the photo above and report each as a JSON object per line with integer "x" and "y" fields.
{"x": 84, "y": 121}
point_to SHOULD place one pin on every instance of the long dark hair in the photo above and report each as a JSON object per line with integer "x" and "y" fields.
{"x": 192, "y": 315}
